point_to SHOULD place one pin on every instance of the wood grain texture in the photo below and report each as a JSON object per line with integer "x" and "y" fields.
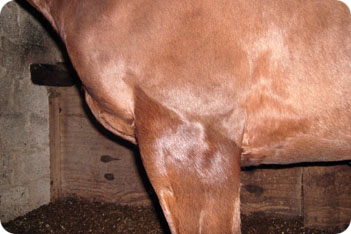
{"x": 271, "y": 191}
{"x": 85, "y": 147}
{"x": 327, "y": 196}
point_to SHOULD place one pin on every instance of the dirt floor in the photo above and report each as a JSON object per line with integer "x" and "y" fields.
{"x": 81, "y": 216}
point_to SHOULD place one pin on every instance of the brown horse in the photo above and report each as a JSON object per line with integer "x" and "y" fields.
{"x": 204, "y": 87}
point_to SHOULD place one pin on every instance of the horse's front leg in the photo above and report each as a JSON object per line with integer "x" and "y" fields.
{"x": 194, "y": 170}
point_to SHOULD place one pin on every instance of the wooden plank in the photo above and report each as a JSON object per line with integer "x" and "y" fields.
{"x": 55, "y": 146}
{"x": 96, "y": 164}
{"x": 327, "y": 196}
{"x": 272, "y": 191}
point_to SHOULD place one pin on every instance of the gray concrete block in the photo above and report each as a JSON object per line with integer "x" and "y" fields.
{"x": 24, "y": 138}
{"x": 12, "y": 130}
{"x": 38, "y": 193}
{"x": 9, "y": 20}
{"x": 5, "y": 170}
{"x": 35, "y": 168}
{"x": 14, "y": 202}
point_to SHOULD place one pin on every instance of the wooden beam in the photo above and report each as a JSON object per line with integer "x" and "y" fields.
{"x": 59, "y": 75}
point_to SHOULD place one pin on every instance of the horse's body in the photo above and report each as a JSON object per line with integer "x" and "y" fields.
{"x": 205, "y": 87}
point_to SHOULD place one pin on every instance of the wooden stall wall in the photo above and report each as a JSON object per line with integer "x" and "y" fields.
{"x": 90, "y": 162}
{"x": 320, "y": 193}
{"x": 327, "y": 196}
{"x": 272, "y": 191}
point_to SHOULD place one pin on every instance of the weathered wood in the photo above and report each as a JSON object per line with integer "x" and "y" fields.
{"x": 55, "y": 146}
{"x": 59, "y": 74}
{"x": 327, "y": 196}
{"x": 274, "y": 192}
{"x": 95, "y": 163}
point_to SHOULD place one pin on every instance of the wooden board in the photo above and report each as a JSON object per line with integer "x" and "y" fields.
{"x": 95, "y": 164}
{"x": 327, "y": 196}
{"x": 272, "y": 191}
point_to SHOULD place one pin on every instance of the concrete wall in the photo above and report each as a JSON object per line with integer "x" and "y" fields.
{"x": 24, "y": 125}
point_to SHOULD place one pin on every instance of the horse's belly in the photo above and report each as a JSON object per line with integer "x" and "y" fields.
{"x": 305, "y": 148}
